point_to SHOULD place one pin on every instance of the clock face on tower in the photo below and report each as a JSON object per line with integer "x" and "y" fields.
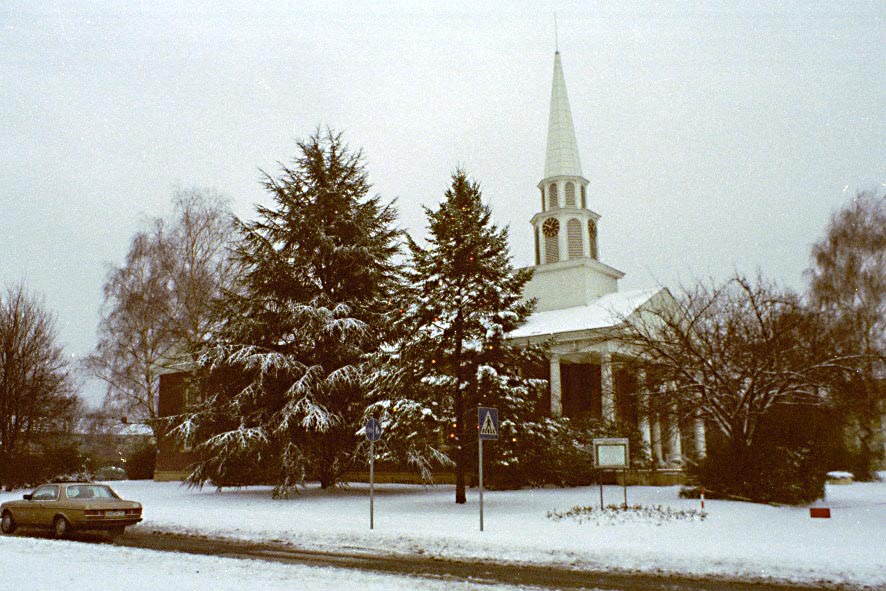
{"x": 550, "y": 227}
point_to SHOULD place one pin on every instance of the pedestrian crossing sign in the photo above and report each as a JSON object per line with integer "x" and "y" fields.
{"x": 487, "y": 422}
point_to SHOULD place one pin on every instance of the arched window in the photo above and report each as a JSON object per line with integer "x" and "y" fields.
{"x": 584, "y": 201}
{"x": 592, "y": 236}
{"x": 553, "y": 198}
{"x": 573, "y": 239}
{"x": 542, "y": 191}
{"x": 570, "y": 195}
{"x": 551, "y": 230}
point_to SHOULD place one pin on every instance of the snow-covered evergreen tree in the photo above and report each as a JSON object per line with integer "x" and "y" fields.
{"x": 462, "y": 298}
{"x": 284, "y": 380}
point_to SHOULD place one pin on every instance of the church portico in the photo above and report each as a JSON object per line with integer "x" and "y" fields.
{"x": 594, "y": 383}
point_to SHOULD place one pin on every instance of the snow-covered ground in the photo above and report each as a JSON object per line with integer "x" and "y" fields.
{"x": 29, "y": 564}
{"x": 739, "y": 539}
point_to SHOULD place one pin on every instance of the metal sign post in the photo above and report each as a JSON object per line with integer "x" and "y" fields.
{"x": 487, "y": 425}
{"x": 480, "y": 447}
{"x": 373, "y": 433}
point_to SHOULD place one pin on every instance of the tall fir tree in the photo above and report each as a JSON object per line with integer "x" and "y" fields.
{"x": 284, "y": 380}
{"x": 461, "y": 299}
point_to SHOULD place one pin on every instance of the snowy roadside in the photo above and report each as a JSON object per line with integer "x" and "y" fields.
{"x": 736, "y": 539}
{"x": 86, "y": 567}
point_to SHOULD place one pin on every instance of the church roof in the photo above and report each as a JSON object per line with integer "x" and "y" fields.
{"x": 606, "y": 311}
{"x": 562, "y": 152}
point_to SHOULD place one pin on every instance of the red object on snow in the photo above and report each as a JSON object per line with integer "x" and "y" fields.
{"x": 820, "y": 512}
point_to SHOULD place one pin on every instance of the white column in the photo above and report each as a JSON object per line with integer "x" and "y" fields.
{"x": 657, "y": 453}
{"x": 607, "y": 389}
{"x": 562, "y": 239}
{"x": 542, "y": 250}
{"x": 883, "y": 430}
{"x": 643, "y": 409}
{"x": 676, "y": 448}
{"x": 701, "y": 448}
{"x": 556, "y": 387}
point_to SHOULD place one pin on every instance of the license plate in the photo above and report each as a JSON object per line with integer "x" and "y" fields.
{"x": 115, "y": 513}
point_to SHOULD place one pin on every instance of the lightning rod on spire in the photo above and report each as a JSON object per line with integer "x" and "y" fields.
{"x": 556, "y": 39}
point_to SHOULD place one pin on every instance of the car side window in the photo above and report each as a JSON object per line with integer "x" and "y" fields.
{"x": 45, "y": 493}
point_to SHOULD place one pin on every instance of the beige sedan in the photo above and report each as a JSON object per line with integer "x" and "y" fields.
{"x": 65, "y": 507}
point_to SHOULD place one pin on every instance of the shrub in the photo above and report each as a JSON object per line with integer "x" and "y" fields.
{"x": 110, "y": 473}
{"x": 775, "y": 474}
{"x": 47, "y": 462}
{"x": 140, "y": 463}
{"x": 560, "y": 453}
{"x": 788, "y": 462}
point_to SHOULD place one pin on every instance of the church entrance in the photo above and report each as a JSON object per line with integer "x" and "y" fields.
{"x": 581, "y": 387}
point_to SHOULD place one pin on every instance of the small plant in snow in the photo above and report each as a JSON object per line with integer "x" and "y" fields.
{"x": 616, "y": 514}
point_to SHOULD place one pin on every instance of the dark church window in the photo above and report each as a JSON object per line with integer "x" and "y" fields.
{"x": 553, "y": 198}
{"x": 584, "y": 203}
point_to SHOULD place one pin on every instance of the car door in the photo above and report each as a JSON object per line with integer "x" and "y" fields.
{"x": 43, "y": 504}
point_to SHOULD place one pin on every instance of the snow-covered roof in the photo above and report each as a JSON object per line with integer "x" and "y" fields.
{"x": 605, "y": 311}
{"x": 136, "y": 429}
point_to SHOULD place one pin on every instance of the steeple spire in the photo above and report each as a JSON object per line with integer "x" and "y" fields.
{"x": 562, "y": 153}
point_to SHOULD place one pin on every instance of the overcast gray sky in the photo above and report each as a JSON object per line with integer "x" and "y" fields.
{"x": 716, "y": 136}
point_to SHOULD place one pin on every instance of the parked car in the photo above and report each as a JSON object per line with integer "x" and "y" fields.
{"x": 68, "y": 506}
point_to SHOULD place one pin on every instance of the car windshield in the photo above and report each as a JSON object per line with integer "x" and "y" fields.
{"x": 45, "y": 493}
{"x": 90, "y": 491}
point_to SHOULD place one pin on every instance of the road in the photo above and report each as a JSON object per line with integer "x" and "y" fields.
{"x": 537, "y": 576}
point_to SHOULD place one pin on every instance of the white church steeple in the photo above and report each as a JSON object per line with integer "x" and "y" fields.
{"x": 564, "y": 228}
{"x": 562, "y": 155}
{"x": 567, "y": 267}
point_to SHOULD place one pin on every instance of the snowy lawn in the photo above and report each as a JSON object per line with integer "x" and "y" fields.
{"x": 740, "y": 539}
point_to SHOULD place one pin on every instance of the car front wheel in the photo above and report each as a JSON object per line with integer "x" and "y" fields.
{"x": 7, "y": 523}
{"x": 61, "y": 527}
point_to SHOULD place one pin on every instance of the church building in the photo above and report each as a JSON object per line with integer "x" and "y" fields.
{"x": 579, "y": 302}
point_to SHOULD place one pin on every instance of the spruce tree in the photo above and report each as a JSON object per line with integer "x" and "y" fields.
{"x": 284, "y": 381}
{"x": 462, "y": 297}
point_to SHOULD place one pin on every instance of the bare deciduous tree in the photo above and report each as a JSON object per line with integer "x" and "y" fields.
{"x": 157, "y": 304}
{"x": 37, "y": 391}
{"x": 733, "y": 352}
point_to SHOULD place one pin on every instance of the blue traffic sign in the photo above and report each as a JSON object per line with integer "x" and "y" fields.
{"x": 487, "y": 422}
{"x": 373, "y": 429}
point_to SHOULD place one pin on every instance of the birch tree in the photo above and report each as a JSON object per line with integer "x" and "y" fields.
{"x": 156, "y": 310}
{"x": 848, "y": 287}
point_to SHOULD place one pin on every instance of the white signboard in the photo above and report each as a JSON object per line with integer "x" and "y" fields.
{"x": 611, "y": 452}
